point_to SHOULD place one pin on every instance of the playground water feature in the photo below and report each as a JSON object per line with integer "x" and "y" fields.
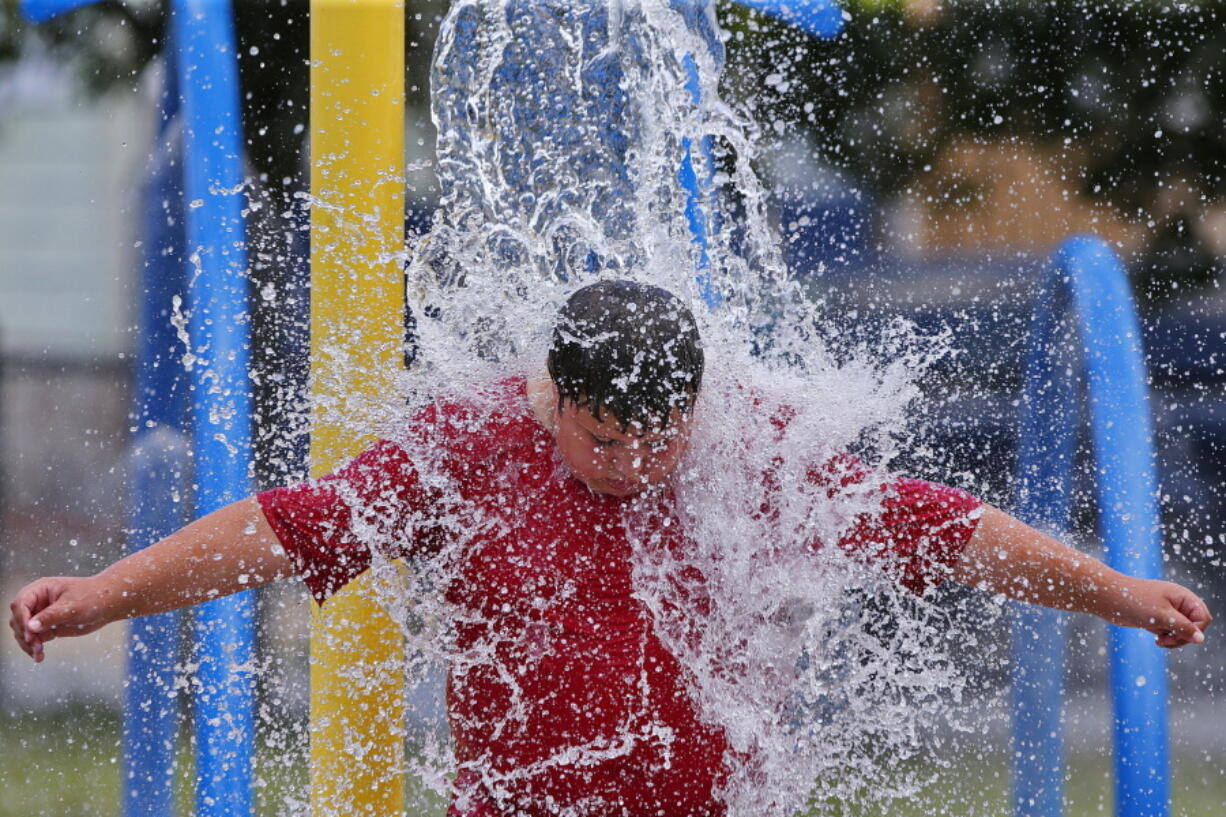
{"x": 803, "y": 707}
{"x": 561, "y": 130}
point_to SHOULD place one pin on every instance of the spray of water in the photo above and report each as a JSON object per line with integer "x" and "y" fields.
{"x": 561, "y": 128}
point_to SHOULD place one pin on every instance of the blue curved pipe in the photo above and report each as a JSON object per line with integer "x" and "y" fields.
{"x": 1087, "y": 278}
{"x": 820, "y": 18}
{"x": 40, "y": 11}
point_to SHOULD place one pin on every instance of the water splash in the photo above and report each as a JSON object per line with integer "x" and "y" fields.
{"x": 561, "y": 127}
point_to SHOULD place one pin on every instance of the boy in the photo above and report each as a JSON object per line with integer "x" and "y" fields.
{"x": 566, "y": 696}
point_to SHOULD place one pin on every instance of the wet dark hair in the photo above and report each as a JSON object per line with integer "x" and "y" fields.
{"x": 628, "y": 349}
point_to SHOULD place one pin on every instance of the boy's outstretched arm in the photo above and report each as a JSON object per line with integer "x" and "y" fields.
{"x": 233, "y": 548}
{"x": 1007, "y": 556}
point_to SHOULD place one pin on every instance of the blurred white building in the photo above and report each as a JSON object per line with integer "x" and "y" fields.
{"x": 70, "y": 175}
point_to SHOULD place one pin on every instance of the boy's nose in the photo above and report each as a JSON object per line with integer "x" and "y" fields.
{"x": 628, "y": 463}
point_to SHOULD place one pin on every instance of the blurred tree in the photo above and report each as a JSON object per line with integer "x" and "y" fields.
{"x": 111, "y": 42}
{"x": 1143, "y": 82}
{"x": 1138, "y": 88}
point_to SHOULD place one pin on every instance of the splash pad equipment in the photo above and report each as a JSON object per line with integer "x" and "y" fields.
{"x": 217, "y": 356}
{"x": 357, "y": 315}
{"x": 383, "y": 256}
{"x": 1086, "y": 284}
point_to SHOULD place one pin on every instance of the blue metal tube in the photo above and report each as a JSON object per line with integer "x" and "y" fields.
{"x": 821, "y": 18}
{"x": 40, "y": 11}
{"x": 1087, "y": 277}
{"x": 696, "y": 189}
{"x": 208, "y": 77}
{"x": 160, "y": 476}
{"x": 1046, "y": 449}
{"x": 1130, "y": 521}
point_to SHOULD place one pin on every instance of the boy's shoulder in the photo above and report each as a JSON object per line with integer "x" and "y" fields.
{"x": 473, "y": 424}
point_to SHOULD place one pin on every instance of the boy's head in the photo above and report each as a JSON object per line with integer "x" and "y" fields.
{"x": 627, "y": 364}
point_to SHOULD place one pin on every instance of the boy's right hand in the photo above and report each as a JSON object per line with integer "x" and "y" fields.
{"x": 55, "y": 608}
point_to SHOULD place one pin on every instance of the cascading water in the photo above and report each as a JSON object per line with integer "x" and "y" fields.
{"x": 560, "y": 130}
{"x": 561, "y": 127}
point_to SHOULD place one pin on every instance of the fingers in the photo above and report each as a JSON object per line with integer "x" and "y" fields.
{"x": 22, "y": 607}
{"x": 1191, "y": 618}
{"x": 1194, "y": 609}
{"x": 1174, "y": 640}
{"x": 1180, "y": 630}
{"x": 58, "y": 615}
{"x": 32, "y": 598}
{"x": 35, "y": 614}
{"x": 44, "y": 594}
{"x": 1184, "y": 622}
{"x": 24, "y": 638}
{"x": 1169, "y": 642}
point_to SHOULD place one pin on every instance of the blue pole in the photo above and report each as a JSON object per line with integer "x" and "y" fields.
{"x": 1131, "y": 526}
{"x": 696, "y": 188}
{"x": 207, "y": 71}
{"x": 208, "y": 77}
{"x": 40, "y": 11}
{"x": 820, "y": 18}
{"x": 1087, "y": 277}
{"x": 1046, "y": 449}
{"x": 160, "y": 470}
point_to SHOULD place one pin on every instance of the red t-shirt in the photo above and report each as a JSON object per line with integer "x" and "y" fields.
{"x": 577, "y": 705}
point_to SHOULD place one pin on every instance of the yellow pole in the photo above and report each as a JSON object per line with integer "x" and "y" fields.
{"x": 357, "y": 332}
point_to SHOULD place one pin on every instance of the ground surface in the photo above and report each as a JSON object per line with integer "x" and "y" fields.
{"x": 66, "y": 764}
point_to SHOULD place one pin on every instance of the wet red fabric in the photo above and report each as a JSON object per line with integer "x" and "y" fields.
{"x": 576, "y": 706}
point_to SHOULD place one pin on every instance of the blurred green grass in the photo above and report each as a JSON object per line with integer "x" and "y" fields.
{"x": 66, "y": 764}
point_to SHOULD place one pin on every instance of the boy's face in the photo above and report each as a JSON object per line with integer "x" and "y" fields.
{"x": 610, "y": 460}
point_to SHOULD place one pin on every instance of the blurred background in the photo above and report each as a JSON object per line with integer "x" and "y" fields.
{"x": 925, "y": 162}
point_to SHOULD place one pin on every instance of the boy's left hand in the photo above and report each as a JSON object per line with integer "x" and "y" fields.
{"x": 1173, "y": 613}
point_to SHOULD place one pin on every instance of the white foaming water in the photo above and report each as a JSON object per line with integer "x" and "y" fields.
{"x": 561, "y": 127}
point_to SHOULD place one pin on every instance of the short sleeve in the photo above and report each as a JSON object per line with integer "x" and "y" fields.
{"x": 918, "y": 534}
{"x": 329, "y": 525}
